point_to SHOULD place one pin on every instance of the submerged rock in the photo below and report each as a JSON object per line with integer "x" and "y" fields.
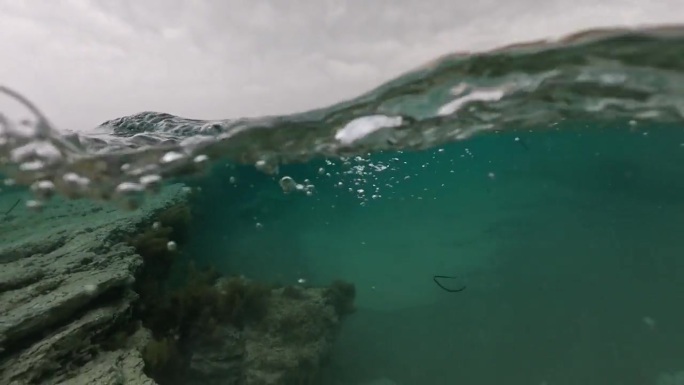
{"x": 219, "y": 361}
{"x": 73, "y": 281}
{"x": 65, "y": 288}
{"x": 266, "y": 337}
{"x": 293, "y": 340}
{"x": 118, "y": 367}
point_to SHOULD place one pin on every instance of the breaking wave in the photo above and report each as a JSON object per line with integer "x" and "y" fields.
{"x": 629, "y": 76}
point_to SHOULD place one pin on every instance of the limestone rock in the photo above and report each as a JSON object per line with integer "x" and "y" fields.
{"x": 64, "y": 287}
{"x": 287, "y": 343}
{"x": 294, "y": 340}
{"x": 120, "y": 367}
{"x": 219, "y": 361}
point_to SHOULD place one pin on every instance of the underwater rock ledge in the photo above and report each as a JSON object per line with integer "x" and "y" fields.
{"x": 70, "y": 284}
{"x": 65, "y": 286}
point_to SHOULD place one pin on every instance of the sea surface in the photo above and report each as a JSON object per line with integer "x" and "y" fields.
{"x": 544, "y": 180}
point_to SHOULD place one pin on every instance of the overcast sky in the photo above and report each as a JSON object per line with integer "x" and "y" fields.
{"x": 84, "y": 62}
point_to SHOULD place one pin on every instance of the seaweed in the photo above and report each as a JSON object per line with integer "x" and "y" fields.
{"x": 293, "y": 292}
{"x": 152, "y": 244}
{"x": 163, "y": 360}
{"x": 243, "y": 300}
{"x": 197, "y": 311}
{"x": 178, "y": 217}
{"x": 341, "y": 296}
{"x": 203, "y": 305}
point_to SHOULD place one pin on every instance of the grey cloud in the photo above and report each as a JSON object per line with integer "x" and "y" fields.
{"x": 87, "y": 61}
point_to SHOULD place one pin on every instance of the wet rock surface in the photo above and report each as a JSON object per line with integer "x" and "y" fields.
{"x": 65, "y": 287}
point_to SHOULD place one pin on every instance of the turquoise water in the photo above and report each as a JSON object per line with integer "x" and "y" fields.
{"x": 569, "y": 244}
{"x": 546, "y": 179}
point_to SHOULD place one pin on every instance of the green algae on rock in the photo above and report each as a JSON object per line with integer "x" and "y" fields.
{"x": 65, "y": 290}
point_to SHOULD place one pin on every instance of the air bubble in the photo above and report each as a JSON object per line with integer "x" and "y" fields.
{"x": 129, "y": 195}
{"x": 73, "y": 180}
{"x": 288, "y": 184}
{"x": 267, "y": 167}
{"x": 172, "y": 156}
{"x": 126, "y": 188}
{"x": 43, "y": 189}
{"x": 151, "y": 183}
{"x": 201, "y": 162}
{"x": 39, "y": 151}
{"x": 32, "y": 166}
{"x": 34, "y": 205}
{"x": 201, "y": 159}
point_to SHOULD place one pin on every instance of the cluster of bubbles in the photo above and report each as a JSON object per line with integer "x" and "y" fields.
{"x": 288, "y": 184}
{"x": 371, "y": 179}
{"x": 358, "y": 175}
{"x": 362, "y": 177}
{"x": 365, "y": 177}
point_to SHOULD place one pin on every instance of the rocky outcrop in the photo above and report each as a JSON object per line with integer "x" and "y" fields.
{"x": 83, "y": 301}
{"x": 65, "y": 286}
{"x": 219, "y": 360}
{"x": 295, "y": 338}
{"x": 118, "y": 367}
{"x": 287, "y": 345}
{"x": 244, "y": 333}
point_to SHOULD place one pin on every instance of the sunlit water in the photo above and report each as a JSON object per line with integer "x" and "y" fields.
{"x": 562, "y": 218}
